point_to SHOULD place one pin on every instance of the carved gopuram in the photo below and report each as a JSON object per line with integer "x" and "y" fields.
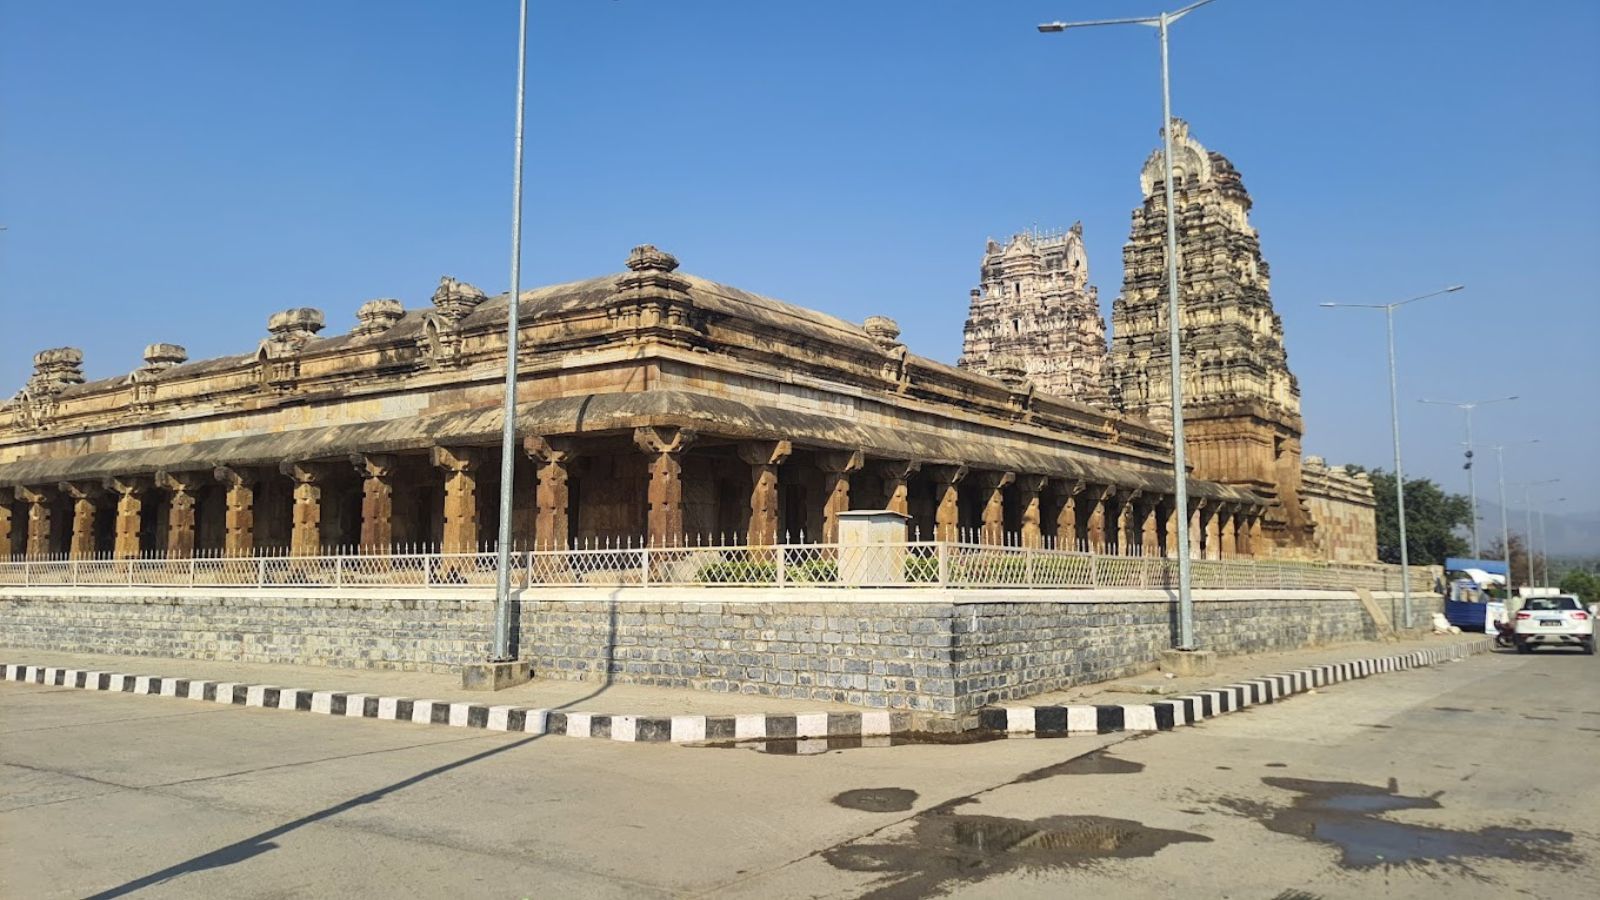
{"x": 1037, "y": 311}
{"x": 656, "y": 406}
{"x": 1241, "y": 403}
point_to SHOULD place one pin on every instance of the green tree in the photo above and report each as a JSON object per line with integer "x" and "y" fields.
{"x": 1520, "y": 572}
{"x": 1582, "y": 583}
{"x": 1432, "y": 515}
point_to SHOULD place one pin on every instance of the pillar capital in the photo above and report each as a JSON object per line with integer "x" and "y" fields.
{"x": 180, "y": 482}
{"x": 81, "y": 490}
{"x": 235, "y": 477}
{"x": 663, "y": 439}
{"x": 895, "y": 469}
{"x": 945, "y": 473}
{"x": 306, "y": 472}
{"x": 374, "y": 465}
{"x": 994, "y": 481}
{"x": 1066, "y": 488}
{"x": 549, "y": 450}
{"x": 1032, "y": 484}
{"x": 765, "y": 453}
{"x": 456, "y": 459}
{"x": 33, "y": 493}
{"x": 840, "y": 462}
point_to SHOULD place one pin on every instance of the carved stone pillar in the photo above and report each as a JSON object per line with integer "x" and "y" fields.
{"x": 1253, "y": 538}
{"x": 84, "y": 497}
{"x": 1149, "y": 529}
{"x": 554, "y": 456}
{"x": 1241, "y": 537}
{"x": 1197, "y": 506}
{"x": 896, "y": 496}
{"x": 376, "y": 471}
{"x": 764, "y": 458}
{"x": 1169, "y": 513}
{"x": 665, "y": 446}
{"x": 38, "y": 500}
{"x": 1031, "y": 513}
{"x": 1128, "y": 533}
{"x": 7, "y": 524}
{"x": 1067, "y": 494}
{"x": 182, "y": 488}
{"x": 1228, "y": 542}
{"x": 240, "y": 515}
{"x": 947, "y": 518}
{"x": 460, "y": 465}
{"x": 130, "y": 515}
{"x": 836, "y": 466}
{"x": 1096, "y": 527}
{"x": 994, "y": 484}
{"x": 305, "y": 533}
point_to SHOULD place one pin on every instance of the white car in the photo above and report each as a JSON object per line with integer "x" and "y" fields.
{"x": 1555, "y": 621}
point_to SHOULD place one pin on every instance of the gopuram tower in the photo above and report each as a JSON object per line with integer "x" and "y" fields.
{"x": 1241, "y": 403}
{"x": 1036, "y": 311}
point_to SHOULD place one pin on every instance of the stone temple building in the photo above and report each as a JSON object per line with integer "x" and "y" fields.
{"x": 1037, "y": 311}
{"x": 1241, "y": 402}
{"x": 655, "y": 406}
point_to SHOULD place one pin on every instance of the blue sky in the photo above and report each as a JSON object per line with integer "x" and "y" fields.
{"x": 178, "y": 171}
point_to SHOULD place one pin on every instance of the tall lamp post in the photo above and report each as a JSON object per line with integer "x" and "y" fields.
{"x": 1527, "y": 512}
{"x": 1505, "y": 528}
{"x": 1544, "y": 539}
{"x": 501, "y": 652}
{"x": 1180, "y": 475}
{"x": 1472, "y": 482}
{"x": 1394, "y": 422}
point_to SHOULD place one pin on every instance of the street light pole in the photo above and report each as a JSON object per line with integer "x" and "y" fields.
{"x": 1505, "y": 528}
{"x": 1472, "y": 466}
{"x": 1180, "y": 474}
{"x": 1544, "y": 540}
{"x": 508, "y": 432}
{"x": 1394, "y": 425}
{"x": 1527, "y": 513}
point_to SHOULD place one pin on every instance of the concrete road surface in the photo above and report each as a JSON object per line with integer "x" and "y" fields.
{"x": 1470, "y": 779}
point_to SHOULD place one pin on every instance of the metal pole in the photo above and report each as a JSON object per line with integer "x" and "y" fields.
{"x": 1399, "y": 472}
{"x": 1505, "y": 527}
{"x": 1180, "y": 477}
{"x": 1472, "y": 483}
{"x": 508, "y": 431}
{"x": 1527, "y": 514}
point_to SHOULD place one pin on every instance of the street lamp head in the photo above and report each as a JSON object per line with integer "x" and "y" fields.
{"x": 1327, "y": 305}
{"x": 1052, "y": 27}
{"x": 1454, "y": 288}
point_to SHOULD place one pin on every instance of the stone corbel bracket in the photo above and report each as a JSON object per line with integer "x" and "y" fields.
{"x": 653, "y": 304}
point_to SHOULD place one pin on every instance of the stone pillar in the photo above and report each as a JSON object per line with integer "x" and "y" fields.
{"x": 1197, "y": 507}
{"x": 1095, "y": 532}
{"x": 1128, "y": 533}
{"x": 1066, "y": 495}
{"x": 1229, "y": 545}
{"x": 896, "y": 496}
{"x": 1242, "y": 534}
{"x": 305, "y": 533}
{"x": 83, "y": 517}
{"x": 947, "y": 518}
{"x": 376, "y": 471}
{"x": 7, "y": 523}
{"x": 38, "y": 500}
{"x": 1214, "y": 532}
{"x": 1149, "y": 537}
{"x": 460, "y": 465}
{"x": 993, "y": 485}
{"x": 130, "y": 515}
{"x": 1032, "y": 512}
{"x": 240, "y": 517}
{"x": 1169, "y": 513}
{"x": 665, "y": 446}
{"x": 182, "y": 488}
{"x": 553, "y": 456}
{"x": 1253, "y": 539}
{"x": 764, "y": 458}
{"x": 836, "y": 466}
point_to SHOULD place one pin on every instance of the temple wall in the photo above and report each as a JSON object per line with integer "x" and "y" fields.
{"x": 936, "y": 652}
{"x": 1345, "y": 513}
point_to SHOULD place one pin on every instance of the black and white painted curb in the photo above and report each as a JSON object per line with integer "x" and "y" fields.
{"x": 1189, "y": 709}
{"x": 527, "y": 720}
{"x": 1038, "y": 721}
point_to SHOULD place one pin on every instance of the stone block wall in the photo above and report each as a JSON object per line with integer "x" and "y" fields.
{"x": 942, "y": 654}
{"x": 1342, "y": 505}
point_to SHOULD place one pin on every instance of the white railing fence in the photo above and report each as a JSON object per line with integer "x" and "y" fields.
{"x": 907, "y": 564}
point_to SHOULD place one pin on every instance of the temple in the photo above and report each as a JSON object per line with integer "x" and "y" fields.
{"x": 654, "y": 406}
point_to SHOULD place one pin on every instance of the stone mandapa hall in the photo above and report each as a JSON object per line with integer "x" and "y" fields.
{"x": 325, "y": 499}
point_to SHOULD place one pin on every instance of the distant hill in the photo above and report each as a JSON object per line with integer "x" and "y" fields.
{"x": 1568, "y": 534}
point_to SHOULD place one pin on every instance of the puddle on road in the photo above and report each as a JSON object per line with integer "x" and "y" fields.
{"x": 1349, "y": 817}
{"x": 877, "y": 800}
{"x": 943, "y": 849}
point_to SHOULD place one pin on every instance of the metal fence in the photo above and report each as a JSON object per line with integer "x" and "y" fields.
{"x": 908, "y": 564}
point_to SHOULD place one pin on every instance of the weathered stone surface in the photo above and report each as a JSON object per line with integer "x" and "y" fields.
{"x": 1036, "y": 318}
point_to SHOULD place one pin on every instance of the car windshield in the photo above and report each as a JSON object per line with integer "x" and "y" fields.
{"x": 1549, "y": 604}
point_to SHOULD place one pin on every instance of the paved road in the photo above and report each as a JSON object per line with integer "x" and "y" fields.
{"x": 1485, "y": 764}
